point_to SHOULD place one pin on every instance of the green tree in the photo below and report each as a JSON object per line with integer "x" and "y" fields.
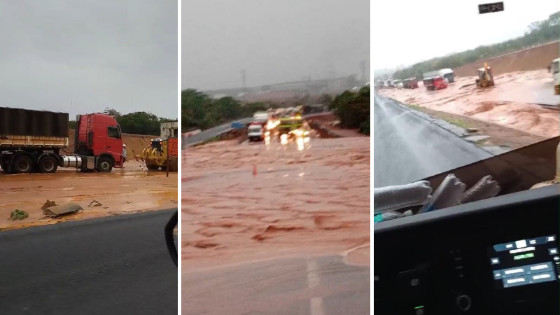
{"x": 198, "y": 111}
{"x": 353, "y": 109}
{"x": 139, "y": 123}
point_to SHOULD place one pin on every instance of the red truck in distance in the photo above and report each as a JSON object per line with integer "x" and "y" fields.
{"x": 435, "y": 83}
{"x": 31, "y": 141}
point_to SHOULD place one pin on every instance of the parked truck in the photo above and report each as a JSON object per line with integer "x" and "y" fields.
{"x": 32, "y": 141}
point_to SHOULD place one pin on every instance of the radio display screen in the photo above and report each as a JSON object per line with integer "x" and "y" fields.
{"x": 525, "y": 262}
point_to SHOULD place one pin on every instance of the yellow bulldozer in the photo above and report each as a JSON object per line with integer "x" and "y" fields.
{"x": 485, "y": 77}
{"x": 163, "y": 150}
{"x": 160, "y": 153}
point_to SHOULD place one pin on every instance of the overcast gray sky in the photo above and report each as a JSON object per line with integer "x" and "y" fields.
{"x": 410, "y": 31}
{"x": 273, "y": 41}
{"x": 83, "y": 56}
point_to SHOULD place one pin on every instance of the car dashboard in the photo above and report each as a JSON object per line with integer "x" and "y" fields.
{"x": 495, "y": 256}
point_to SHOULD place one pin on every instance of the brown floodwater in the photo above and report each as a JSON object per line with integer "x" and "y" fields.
{"x": 250, "y": 201}
{"x": 127, "y": 190}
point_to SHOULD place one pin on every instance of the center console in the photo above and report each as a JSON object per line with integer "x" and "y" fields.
{"x": 497, "y": 256}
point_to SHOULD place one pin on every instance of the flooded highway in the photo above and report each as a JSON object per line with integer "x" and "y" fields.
{"x": 299, "y": 196}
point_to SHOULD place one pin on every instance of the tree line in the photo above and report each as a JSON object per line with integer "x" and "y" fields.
{"x": 199, "y": 111}
{"x": 537, "y": 33}
{"x": 353, "y": 109}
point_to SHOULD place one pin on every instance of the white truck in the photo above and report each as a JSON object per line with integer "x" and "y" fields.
{"x": 256, "y": 131}
{"x": 260, "y": 117}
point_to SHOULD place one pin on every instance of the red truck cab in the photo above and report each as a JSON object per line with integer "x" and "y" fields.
{"x": 435, "y": 83}
{"x": 99, "y": 135}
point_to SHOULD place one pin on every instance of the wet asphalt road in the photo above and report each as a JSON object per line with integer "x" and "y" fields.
{"x": 408, "y": 148}
{"x": 307, "y": 286}
{"x": 115, "y": 265}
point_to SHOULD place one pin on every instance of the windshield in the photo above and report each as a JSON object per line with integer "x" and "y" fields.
{"x": 491, "y": 109}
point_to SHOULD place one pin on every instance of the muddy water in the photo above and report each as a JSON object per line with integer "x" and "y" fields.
{"x": 511, "y": 102}
{"x": 126, "y": 190}
{"x": 254, "y": 201}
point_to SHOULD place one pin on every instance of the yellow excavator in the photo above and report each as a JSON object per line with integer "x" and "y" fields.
{"x": 163, "y": 149}
{"x": 156, "y": 155}
{"x": 485, "y": 77}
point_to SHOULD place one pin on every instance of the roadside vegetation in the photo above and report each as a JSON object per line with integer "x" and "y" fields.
{"x": 353, "y": 109}
{"x": 538, "y": 33}
{"x": 199, "y": 111}
{"x": 450, "y": 118}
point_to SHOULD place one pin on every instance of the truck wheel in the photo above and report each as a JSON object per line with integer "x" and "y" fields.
{"x": 104, "y": 165}
{"x": 22, "y": 164}
{"x": 48, "y": 164}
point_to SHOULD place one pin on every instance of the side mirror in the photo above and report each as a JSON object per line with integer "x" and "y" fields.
{"x": 171, "y": 237}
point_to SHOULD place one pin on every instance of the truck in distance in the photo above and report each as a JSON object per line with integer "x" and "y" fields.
{"x": 434, "y": 83}
{"x": 410, "y": 83}
{"x": 256, "y": 131}
{"x": 31, "y": 141}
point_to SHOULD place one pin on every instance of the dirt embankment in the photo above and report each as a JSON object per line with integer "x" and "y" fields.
{"x": 243, "y": 202}
{"x": 328, "y": 126}
{"x": 534, "y": 58}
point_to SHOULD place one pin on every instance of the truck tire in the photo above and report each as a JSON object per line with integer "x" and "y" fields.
{"x": 104, "y": 165}
{"x": 48, "y": 164}
{"x": 22, "y": 164}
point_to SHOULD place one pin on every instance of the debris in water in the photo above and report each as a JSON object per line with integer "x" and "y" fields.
{"x": 57, "y": 211}
{"x": 95, "y": 203}
{"x": 18, "y": 215}
{"x": 48, "y": 203}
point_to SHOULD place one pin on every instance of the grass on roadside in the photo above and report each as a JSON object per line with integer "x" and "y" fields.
{"x": 457, "y": 122}
{"x": 452, "y": 120}
{"x": 417, "y": 107}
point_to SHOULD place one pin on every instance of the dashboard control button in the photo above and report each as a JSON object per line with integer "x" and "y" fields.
{"x": 412, "y": 283}
{"x": 464, "y": 302}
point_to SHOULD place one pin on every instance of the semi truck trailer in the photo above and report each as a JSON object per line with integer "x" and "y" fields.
{"x": 32, "y": 141}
